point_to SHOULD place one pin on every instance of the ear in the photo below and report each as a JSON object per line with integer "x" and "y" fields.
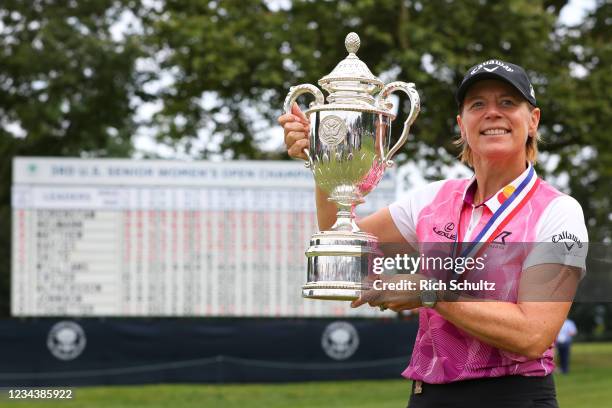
{"x": 534, "y": 121}
{"x": 461, "y": 127}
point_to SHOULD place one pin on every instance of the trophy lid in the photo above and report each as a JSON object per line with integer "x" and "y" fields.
{"x": 351, "y": 81}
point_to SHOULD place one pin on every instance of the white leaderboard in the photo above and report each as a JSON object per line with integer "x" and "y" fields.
{"x": 163, "y": 238}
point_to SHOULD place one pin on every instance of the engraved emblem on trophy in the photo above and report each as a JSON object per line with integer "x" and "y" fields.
{"x": 349, "y": 151}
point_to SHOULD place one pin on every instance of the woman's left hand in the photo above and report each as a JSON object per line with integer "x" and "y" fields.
{"x": 395, "y": 292}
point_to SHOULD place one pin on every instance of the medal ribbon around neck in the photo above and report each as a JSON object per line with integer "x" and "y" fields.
{"x": 501, "y": 217}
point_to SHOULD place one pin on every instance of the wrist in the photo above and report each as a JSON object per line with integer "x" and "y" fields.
{"x": 429, "y": 297}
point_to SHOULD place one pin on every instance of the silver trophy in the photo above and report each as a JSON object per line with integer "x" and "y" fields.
{"x": 349, "y": 152}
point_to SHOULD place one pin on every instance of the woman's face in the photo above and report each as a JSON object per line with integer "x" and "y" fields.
{"x": 496, "y": 121}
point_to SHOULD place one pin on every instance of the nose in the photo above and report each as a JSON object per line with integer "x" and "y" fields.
{"x": 492, "y": 111}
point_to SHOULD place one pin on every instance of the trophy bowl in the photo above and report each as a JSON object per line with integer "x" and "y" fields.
{"x": 349, "y": 151}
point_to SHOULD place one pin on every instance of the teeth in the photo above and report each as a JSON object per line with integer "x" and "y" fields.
{"x": 495, "y": 131}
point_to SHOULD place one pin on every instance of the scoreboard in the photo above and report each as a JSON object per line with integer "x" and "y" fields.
{"x": 107, "y": 237}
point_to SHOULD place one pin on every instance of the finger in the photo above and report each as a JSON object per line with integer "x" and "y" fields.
{"x": 293, "y": 137}
{"x": 376, "y": 302}
{"x": 372, "y": 297}
{"x": 396, "y": 307}
{"x": 363, "y": 298}
{"x": 294, "y": 127}
{"x": 355, "y": 303}
{"x": 384, "y": 297}
{"x": 295, "y": 109}
{"x": 297, "y": 149}
{"x": 358, "y": 302}
{"x": 287, "y": 117}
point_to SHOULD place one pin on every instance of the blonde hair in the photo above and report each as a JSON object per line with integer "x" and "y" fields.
{"x": 531, "y": 146}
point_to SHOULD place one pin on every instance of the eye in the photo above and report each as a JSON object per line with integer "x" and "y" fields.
{"x": 507, "y": 102}
{"x": 476, "y": 104}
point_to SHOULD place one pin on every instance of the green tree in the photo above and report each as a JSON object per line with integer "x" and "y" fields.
{"x": 580, "y": 115}
{"x": 246, "y": 55}
{"x": 223, "y": 54}
{"x": 66, "y": 89}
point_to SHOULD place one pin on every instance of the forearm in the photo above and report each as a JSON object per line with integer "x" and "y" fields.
{"x": 528, "y": 327}
{"x": 326, "y": 210}
{"x": 502, "y": 325}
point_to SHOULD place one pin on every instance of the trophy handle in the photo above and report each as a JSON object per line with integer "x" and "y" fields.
{"x": 415, "y": 107}
{"x": 294, "y": 93}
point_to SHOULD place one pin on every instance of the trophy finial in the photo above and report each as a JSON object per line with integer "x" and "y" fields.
{"x": 351, "y": 81}
{"x": 352, "y": 42}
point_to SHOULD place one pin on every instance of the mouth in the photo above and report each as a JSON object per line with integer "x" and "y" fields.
{"x": 495, "y": 132}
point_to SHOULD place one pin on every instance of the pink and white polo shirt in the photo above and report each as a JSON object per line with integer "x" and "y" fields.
{"x": 432, "y": 214}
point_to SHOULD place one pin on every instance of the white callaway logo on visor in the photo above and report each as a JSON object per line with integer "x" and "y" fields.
{"x": 491, "y": 62}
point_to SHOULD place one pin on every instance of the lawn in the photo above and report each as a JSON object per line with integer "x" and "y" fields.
{"x": 588, "y": 385}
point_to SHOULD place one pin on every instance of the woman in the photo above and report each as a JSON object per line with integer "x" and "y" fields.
{"x": 474, "y": 353}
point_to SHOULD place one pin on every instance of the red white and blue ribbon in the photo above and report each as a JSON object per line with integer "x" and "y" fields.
{"x": 501, "y": 217}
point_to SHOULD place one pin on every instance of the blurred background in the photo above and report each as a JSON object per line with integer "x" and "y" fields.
{"x": 202, "y": 82}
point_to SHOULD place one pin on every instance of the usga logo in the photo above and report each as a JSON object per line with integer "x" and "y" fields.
{"x": 340, "y": 340}
{"x": 66, "y": 340}
{"x": 567, "y": 237}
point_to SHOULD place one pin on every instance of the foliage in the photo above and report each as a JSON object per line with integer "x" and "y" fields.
{"x": 65, "y": 90}
{"x": 219, "y": 54}
{"x": 245, "y": 56}
{"x": 581, "y": 116}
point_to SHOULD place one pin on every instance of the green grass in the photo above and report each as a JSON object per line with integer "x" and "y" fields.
{"x": 588, "y": 385}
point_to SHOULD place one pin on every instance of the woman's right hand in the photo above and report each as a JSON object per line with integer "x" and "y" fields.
{"x": 297, "y": 128}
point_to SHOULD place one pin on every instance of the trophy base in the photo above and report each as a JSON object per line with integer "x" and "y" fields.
{"x": 332, "y": 290}
{"x": 339, "y": 263}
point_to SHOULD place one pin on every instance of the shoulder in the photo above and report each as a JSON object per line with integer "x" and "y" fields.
{"x": 427, "y": 193}
{"x": 561, "y": 235}
{"x": 562, "y": 215}
{"x": 405, "y": 211}
{"x": 565, "y": 206}
{"x": 553, "y": 195}
{"x": 410, "y": 202}
{"x": 558, "y": 203}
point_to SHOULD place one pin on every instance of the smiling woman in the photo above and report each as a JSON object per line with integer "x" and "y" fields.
{"x": 498, "y": 127}
{"x": 473, "y": 353}
{"x": 507, "y": 100}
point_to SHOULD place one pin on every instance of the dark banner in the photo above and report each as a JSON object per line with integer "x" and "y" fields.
{"x": 57, "y": 352}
